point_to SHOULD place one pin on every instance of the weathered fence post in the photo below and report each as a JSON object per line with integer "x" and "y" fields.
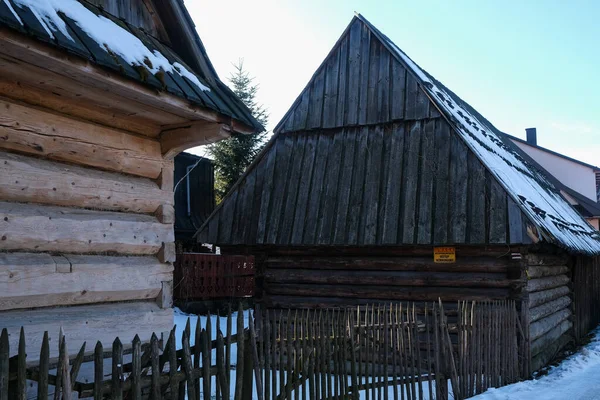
{"x": 248, "y": 369}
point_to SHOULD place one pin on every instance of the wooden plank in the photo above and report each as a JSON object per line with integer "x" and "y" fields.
{"x": 316, "y": 189}
{"x": 384, "y": 86}
{"x": 355, "y": 205}
{"x": 389, "y": 278}
{"x": 41, "y": 133}
{"x": 425, "y": 220}
{"x": 367, "y": 229}
{"x": 354, "y": 60}
{"x": 398, "y": 83}
{"x": 27, "y": 179}
{"x": 542, "y": 271}
{"x": 498, "y": 212}
{"x": 343, "y": 83}
{"x": 477, "y": 201}
{"x": 301, "y": 112}
{"x": 29, "y": 280}
{"x": 295, "y": 175}
{"x": 393, "y": 184}
{"x": 546, "y": 324}
{"x": 387, "y": 263}
{"x": 267, "y": 189}
{"x": 85, "y": 323}
{"x": 285, "y": 151}
{"x": 388, "y": 292}
{"x": 441, "y": 213}
{"x": 28, "y": 227}
{"x": 411, "y": 183}
{"x": 372, "y": 89}
{"x": 365, "y": 44}
{"x": 459, "y": 174}
{"x": 315, "y": 111}
{"x": 345, "y": 186}
{"x": 331, "y": 181}
{"x": 542, "y": 297}
{"x": 304, "y": 194}
{"x": 331, "y": 89}
{"x": 411, "y": 97}
{"x": 546, "y": 309}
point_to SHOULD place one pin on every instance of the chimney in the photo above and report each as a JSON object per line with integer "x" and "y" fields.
{"x": 531, "y": 136}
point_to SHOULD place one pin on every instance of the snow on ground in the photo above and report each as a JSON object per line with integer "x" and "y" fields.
{"x": 577, "y": 377}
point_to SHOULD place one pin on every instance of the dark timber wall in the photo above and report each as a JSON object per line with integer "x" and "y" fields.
{"x": 350, "y": 277}
{"x": 586, "y": 293}
{"x": 410, "y": 182}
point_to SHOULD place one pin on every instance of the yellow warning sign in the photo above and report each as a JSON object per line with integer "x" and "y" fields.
{"x": 444, "y": 255}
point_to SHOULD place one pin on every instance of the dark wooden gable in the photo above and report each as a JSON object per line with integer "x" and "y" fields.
{"x": 139, "y": 13}
{"x": 359, "y": 83}
{"x": 364, "y": 158}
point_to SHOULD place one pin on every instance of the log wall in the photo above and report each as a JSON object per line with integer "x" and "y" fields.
{"x": 86, "y": 217}
{"x": 586, "y": 295}
{"x": 550, "y": 316}
{"x": 315, "y": 281}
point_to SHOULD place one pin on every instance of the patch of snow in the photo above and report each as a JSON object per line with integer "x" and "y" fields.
{"x": 110, "y": 36}
{"x": 541, "y": 202}
{"x": 12, "y": 10}
{"x": 575, "y": 378}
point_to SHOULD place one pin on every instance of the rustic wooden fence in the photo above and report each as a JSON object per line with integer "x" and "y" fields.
{"x": 199, "y": 276}
{"x": 398, "y": 351}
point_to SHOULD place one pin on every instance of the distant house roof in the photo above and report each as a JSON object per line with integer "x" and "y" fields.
{"x": 356, "y": 100}
{"x": 595, "y": 168}
{"x": 87, "y": 31}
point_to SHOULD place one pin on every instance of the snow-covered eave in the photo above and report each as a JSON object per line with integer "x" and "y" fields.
{"x": 556, "y": 220}
{"x": 109, "y": 36}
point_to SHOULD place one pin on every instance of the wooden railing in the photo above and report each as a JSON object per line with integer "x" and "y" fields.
{"x": 200, "y": 276}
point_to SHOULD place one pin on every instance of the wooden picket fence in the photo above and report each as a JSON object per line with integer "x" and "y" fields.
{"x": 399, "y": 351}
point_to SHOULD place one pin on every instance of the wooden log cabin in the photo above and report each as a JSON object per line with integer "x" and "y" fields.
{"x": 378, "y": 171}
{"x": 96, "y": 98}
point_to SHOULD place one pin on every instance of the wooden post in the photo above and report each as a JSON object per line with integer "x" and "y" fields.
{"x": 187, "y": 366}
{"x": 136, "y": 370}
{"x": 154, "y": 362}
{"x": 117, "y": 368}
{"x": 4, "y": 368}
{"x": 204, "y": 343}
{"x": 248, "y": 371}
{"x": 42, "y": 391}
{"x": 239, "y": 372}
{"x": 98, "y": 370}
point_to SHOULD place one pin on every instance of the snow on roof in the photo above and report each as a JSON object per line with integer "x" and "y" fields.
{"x": 557, "y": 221}
{"x": 110, "y": 36}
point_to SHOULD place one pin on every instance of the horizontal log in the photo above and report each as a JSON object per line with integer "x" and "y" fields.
{"x": 29, "y": 280}
{"x": 467, "y": 264}
{"x": 32, "y": 131}
{"x": 315, "y": 302}
{"x": 542, "y": 311}
{"x": 403, "y": 278}
{"x": 550, "y": 337}
{"x": 496, "y": 253}
{"x": 544, "y": 296}
{"x": 550, "y": 352}
{"x": 544, "y": 325}
{"x": 29, "y": 227}
{"x": 89, "y": 323}
{"x": 27, "y": 179}
{"x": 388, "y": 292}
{"x": 541, "y": 272}
{"x": 99, "y": 110}
{"x": 550, "y": 282}
{"x": 546, "y": 259}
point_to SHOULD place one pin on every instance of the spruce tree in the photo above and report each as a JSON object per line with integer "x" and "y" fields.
{"x": 232, "y": 156}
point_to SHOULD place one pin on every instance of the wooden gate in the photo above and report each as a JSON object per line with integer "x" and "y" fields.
{"x": 199, "y": 276}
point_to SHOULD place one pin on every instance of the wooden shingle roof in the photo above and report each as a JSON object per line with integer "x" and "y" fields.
{"x": 375, "y": 151}
{"x": 68, "y": 31}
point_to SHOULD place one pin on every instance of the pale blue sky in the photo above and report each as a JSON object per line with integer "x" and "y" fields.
{"x": 519, "y": 63}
